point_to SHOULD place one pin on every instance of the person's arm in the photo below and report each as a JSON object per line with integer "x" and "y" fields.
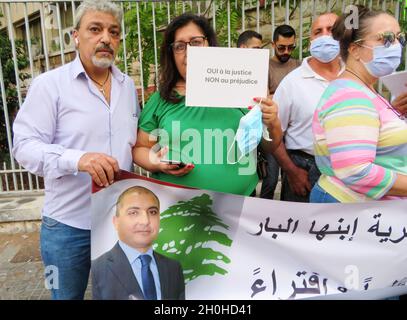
{"x": 399, "y": 187}
{"x": 34, "y": 133}
{"x": 146, "y": 157}
{"x": 271, "y": 121}
{"x": 400, "y": 103}
{"x": 296, "y": 176}
{"x": 352, "y": 134}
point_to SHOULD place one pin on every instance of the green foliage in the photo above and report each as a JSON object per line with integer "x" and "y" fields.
{"x": 6, "y": 57}
{"x": 221, "y": 20}
{"x": 146, "y": 33}
{"x": 305, "y": 42}
{"x": 161, "y": 18}
{"x": 186, "y": 228}
{"x": 403, "y": 27}
{"x": 35, "y": 40}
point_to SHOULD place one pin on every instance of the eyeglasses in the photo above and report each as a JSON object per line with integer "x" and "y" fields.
{"x": 181, "y": 46}
{"x": 389, "y": 38}
{"x": 282, "y": 48}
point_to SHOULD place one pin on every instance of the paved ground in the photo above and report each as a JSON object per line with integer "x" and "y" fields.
{"x": 21, "y": 269}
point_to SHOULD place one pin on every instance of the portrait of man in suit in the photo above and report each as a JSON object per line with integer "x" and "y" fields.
{"x": 131, "y": 269}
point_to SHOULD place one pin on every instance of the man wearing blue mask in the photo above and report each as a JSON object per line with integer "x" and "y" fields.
{"x": 297, "y": 97}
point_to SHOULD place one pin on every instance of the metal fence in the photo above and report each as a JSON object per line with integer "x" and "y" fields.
{"x": 40, "y": 33}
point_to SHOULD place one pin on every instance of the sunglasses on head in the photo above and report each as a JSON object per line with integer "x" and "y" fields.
{"x": 389, "y": 38}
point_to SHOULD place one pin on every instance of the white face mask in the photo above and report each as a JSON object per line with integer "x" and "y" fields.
{"x": 249, "y": 132}
{"x": 385, "y": 60}
{"x": 324, "y": 48}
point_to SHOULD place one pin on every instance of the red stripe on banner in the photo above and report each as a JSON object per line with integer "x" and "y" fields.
{"x": 125, "y": 175}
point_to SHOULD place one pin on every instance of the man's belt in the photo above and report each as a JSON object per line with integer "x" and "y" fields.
{"x": 301, "y": 154}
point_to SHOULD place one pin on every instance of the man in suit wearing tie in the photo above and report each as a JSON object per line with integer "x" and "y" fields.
{"x": 131, "y": 269}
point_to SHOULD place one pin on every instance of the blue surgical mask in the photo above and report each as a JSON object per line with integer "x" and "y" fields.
{"x": 249, "y": 132}
{"x": 385, "y": 60}
{"x": 324, "y": 48}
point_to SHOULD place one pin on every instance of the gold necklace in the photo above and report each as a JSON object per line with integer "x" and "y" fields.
{"x": 389, "y": 106}
{"x": 102, "y": 89}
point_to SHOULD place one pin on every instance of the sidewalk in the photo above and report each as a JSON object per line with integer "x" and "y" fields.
{"x": 21, "y": 268}
{"x": 20, "y": 212}
{"x": 20, "y": 262}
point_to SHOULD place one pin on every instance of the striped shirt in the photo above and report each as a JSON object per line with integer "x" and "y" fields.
{"x": 360, "y": 144}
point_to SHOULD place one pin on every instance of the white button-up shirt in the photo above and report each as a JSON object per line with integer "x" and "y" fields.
{"x": 64, "y": 116}
{"x": 297, "y": 97}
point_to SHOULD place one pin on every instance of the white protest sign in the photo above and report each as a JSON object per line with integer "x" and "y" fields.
{"x": 226, "y": 77}
{"x": 396, "y": 83}
{"x": 235, "y": 247}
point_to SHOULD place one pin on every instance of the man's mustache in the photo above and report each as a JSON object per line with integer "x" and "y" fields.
{"x": 105, "y": 48}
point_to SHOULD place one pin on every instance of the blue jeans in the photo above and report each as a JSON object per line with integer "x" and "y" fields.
{"x": 65, "y": 252}
{"x": 306, "y": 162}
{"x": 319, "y": 195}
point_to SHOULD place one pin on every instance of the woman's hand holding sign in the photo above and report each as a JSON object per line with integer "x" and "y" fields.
{"x": 270, "y": 119}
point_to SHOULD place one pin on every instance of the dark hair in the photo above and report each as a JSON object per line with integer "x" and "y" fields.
{"x": 246, "y": 36}
{"x": 284, "y": 30}
{"x": 345, "y": 35}
{"x": 169, "y": 73}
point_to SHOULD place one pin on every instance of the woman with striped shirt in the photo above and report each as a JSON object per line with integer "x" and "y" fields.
{"x": 360, "y": 140}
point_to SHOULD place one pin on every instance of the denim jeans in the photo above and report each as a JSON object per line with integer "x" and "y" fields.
{"x": 65, "y": 252}
{"x": 306, "y": 162}
{"x": 270, "y": 181}
{"x": 319, "y": 195}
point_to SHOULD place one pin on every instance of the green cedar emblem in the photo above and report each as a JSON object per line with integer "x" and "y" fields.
{"x": 185, "y": 229}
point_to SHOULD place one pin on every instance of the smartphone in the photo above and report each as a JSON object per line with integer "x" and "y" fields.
{"x": 179, "y": 163}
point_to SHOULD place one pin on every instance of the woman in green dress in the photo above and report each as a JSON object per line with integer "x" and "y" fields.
{"x": 201, "y": 138}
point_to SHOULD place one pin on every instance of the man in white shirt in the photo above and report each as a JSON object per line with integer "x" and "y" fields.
{"x": 78, "y": 123}
{"x": 297, "y": 97}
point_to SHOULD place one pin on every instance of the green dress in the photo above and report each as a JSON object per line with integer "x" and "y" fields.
{"x": 205, "y": 137}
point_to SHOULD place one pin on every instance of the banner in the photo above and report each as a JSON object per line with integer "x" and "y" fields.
{"x": 235, "y": 247}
